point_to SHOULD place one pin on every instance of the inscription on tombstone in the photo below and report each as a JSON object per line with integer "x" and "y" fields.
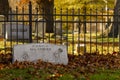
{"x": 56, "y": 54}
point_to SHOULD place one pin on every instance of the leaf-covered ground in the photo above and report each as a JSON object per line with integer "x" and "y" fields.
{"x": 78, "y": 68}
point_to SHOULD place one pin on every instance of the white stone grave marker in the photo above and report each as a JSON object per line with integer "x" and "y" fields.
{"x": 40, "y": 27}
{"x": 56, "y": 54}
{"x": 58, "y": 27}
{"x": 15, "y": 31}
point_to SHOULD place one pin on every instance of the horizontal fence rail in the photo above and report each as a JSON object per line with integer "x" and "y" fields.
{"x": 82, "y": 31}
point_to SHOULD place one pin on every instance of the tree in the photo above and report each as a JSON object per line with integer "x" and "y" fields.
{"x": 116, "y": 20}
{"x": 13, "y": 4}
{"x": 46, "y": 8}
{"x": 4, "y": 7}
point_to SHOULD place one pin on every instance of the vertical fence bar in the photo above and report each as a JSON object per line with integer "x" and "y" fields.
{"x": 23, "y": 19}
{"x": 11, "y": 39}
{"x": 85, "y": 15}
{"x": 30, "y": 22}
{"x": 36, "y": 25}
{"x": 79, "y": 26}
{"x": 4, "y": 33}
{"x": 72, "y": 31}
{"x": 108, "y": 22}
{"x": 116, "y": 16}
{"x": 119, "y": 36}
{"x": 44, "y": 21}
{"x": 36, "y": 29}
{"x": 49, "y": 35}
{"x": 17, "y": 22}
{"x": 118, "y": 25}
{"x": 61, "y": 25}
{"x": 43, "y": 26}
{"x": 67, "y": 29}
{"x": 90, "y": 30}
{"x": 55, "y": 26}
{"x": 84, "y": 27}
{"x": 102, "y": 31}
{"x": 96, "y": 29}
{"x": 115, "y": 22}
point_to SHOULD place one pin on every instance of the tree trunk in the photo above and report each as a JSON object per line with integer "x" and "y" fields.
{"x": 4, "y": 8}
{"x": 116, "y": 21}
{"x": 46, "y": 7}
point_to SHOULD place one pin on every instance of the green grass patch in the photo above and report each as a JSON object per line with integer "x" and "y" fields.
{"x": 106, "y": 75}
{"x": 45, "y": 74}
{"x": 23, "y": 74}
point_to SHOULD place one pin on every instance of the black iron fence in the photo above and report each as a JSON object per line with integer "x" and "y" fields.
{"x": 82, "y": 31}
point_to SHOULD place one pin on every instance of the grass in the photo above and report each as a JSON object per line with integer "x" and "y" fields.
{"x": 30, "y": 74}
{"x": 106, "y": 75}
{"x": 16, "y": 73}
{"x": 90, "y": 37}
{"x": 44, "y": 74}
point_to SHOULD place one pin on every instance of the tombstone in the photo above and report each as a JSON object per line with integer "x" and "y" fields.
{"x": 58, "y": 27}
{"x": 40, "y": 27}
{"x": 58, "y": 30}
{"x": 95, "y": 26}
{"x": 76, "y": 24}
{"x": 14, "y": 31}
{"x": 2, "y": 17}
{"x": 56, "y": 54}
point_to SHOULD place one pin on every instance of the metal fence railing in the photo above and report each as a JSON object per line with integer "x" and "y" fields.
{"x": 82, "y": 31}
